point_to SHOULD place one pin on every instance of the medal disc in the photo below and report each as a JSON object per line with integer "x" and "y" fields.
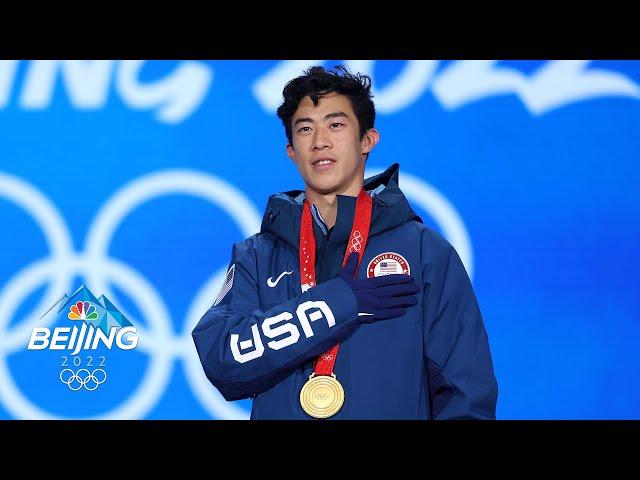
{"x": 322, "y": 396}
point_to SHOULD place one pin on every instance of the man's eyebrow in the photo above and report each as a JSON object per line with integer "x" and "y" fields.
{"x": 335, "y": 114}
{"x": 326, "y": 117}
{"x": 300, "y": 120}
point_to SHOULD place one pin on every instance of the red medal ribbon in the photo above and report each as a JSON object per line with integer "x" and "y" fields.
{"x": 357, "y": 241}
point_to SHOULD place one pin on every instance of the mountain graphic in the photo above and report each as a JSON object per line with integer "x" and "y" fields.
{"x": 108, "y": 314}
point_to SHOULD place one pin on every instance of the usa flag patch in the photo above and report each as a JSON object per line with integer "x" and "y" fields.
{"x": 228, "y": 283}
{"x": 388, "y": 263}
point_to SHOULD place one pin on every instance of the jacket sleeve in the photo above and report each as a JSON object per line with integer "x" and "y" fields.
{"x": 245, "y": 351}
{"x": 460, "y": 372}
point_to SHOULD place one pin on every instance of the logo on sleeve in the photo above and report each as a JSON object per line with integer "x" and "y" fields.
{"x": 228, "y": 283}
{"x": 281, "y": 330}
{"x": 388, "y": 263}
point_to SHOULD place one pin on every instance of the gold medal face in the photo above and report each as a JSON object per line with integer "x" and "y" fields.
{"x": 322, "y": 396}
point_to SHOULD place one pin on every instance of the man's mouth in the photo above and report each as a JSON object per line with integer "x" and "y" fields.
{"x": 323, "y": 161}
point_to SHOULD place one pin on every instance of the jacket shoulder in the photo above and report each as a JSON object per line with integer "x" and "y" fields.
{"x": 259, "y": 242}
{"x": 433, "y": 244}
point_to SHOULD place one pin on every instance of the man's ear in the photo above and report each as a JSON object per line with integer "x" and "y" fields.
{"x": 291, "y": 153}
{"x": 369, "y": 140}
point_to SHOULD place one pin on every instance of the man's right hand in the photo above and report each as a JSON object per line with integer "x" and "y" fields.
{"x": 380, "y": 298}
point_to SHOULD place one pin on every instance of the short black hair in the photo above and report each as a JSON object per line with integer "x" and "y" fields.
{"x": 316, "y": 81}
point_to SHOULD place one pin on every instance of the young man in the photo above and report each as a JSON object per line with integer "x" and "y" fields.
{"x": 345, "y": 305}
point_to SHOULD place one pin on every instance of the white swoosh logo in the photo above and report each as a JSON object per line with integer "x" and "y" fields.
{"x": 272, "y": 283}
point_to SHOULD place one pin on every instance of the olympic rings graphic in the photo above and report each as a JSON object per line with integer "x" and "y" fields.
{"x": 102, "y": 272}
{"x": 83, "y": 382}
{"x": 356, "y": 243}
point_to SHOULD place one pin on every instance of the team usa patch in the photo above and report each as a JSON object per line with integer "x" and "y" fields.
{"x": 388, "y": 263}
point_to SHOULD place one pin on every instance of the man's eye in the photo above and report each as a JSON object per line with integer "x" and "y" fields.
{"x": 304, "y": 129}
{"x": 336, "y": 123}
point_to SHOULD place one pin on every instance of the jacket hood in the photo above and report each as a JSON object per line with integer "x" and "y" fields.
{"x": 283, "y": 213}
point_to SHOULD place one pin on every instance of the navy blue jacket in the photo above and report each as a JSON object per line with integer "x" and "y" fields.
{"x": 259, "y": 341}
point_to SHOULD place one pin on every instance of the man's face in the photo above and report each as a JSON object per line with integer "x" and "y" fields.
{"x": 329, "y": 131}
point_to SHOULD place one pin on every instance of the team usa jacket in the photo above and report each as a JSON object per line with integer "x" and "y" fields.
{"x": 260, "y": 338}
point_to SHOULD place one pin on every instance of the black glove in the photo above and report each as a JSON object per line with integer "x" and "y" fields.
{"x": 380, "y": 298}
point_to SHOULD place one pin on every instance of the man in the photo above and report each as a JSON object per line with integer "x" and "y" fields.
{"x": 345, "y": 305}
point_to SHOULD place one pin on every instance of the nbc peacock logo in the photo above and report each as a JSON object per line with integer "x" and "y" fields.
{"x": 82, "y": 311}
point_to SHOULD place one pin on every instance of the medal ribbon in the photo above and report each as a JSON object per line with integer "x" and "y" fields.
{"x": 357, "y": 241}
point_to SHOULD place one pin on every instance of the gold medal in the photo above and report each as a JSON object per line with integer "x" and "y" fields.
{"x": 322, "y": 396}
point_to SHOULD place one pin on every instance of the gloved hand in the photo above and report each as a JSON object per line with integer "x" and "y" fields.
{"x": 380, "y": 298}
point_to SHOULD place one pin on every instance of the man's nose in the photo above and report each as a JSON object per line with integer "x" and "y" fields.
{"x": 321, "y": 140}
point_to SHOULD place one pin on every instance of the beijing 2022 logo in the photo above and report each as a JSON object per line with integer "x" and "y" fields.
{"x": 97, "y": 327}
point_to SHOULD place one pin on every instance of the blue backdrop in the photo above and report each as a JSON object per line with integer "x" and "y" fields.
{"x": 135, "y": 178}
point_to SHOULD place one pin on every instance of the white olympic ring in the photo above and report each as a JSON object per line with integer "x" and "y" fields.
{"x": 83, "y": 382}
{"x": 356, "y": 242}
{"x": 101, "y": 271}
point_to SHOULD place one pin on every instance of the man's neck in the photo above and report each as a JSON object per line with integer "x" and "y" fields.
{"x": 328, "y": 203}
